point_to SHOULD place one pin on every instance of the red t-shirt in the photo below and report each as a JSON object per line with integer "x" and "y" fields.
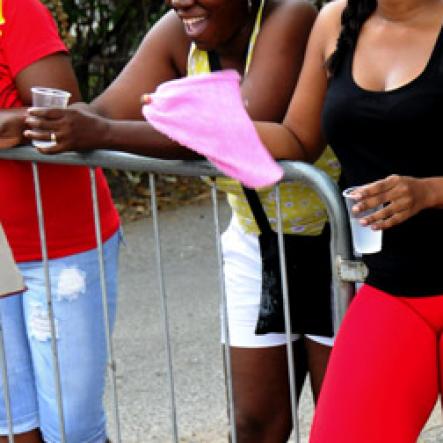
{"x": 27, "y": 34}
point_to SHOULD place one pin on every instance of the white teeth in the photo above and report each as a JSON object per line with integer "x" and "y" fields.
{"x": 192, "y": 21}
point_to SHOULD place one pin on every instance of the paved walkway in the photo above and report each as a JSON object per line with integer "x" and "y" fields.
{"x": 191, "y": 282}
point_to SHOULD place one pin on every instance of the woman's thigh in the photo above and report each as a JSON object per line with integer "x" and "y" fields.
{"x": 382, "y": 379}
{"x": 80, "y": 337}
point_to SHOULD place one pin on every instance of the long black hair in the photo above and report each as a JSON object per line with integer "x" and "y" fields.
{"x": 354, "y": 15}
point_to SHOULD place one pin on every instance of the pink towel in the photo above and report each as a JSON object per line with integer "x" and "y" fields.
{"x": 206, "y": 114}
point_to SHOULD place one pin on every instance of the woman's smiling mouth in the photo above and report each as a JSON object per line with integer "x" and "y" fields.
{"x": 194, "y": 26}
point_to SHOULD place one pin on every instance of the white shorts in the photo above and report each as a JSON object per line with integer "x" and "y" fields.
{"x": 242, "y": 271}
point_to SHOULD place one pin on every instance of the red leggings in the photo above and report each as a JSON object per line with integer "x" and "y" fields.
{"x": 384, "y": 375}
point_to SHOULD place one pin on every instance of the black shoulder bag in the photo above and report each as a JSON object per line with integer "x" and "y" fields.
{"x": 308, "y": 270}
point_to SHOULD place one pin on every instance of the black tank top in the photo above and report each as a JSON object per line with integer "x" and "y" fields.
{"x": 375, "y": 134}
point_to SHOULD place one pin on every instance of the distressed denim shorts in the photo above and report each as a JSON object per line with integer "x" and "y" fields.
{"x": 81, "y": 344}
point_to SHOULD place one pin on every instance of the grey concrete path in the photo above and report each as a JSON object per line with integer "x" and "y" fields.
{"x": 192, "y": 287}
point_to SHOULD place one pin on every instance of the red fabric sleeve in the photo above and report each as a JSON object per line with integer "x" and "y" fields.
{"x": 30, "y": 36}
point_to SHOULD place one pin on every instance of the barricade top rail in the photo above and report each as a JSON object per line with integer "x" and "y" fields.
{"x": 123, "y": 160}
{"x": 132, "y": 162}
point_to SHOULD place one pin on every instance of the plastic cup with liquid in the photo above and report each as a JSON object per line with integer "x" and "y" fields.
{"x": 364, "y": 238}
{"x": 48, "y": 98}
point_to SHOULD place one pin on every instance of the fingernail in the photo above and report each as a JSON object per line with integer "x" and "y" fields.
{"x": 146, "y": 98}
{"x": 363, "y": 222}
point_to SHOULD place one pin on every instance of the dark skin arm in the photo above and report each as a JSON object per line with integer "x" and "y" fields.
{"x": 300, "y": 132}
{"x": 162, "y": 57}
{"x": 52, "y": 71}
{"x": 12, "y": 123}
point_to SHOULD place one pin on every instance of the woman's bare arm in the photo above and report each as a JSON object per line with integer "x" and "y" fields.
{"x": 53, "y": 71}
{"x": 300, "y": 136}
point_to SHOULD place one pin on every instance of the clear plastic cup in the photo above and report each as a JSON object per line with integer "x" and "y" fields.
{"x": 48, "y": 98}
{"x": 364, "y": 239}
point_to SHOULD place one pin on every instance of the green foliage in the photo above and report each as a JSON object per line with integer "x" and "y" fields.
{"x": 102, "y": 35}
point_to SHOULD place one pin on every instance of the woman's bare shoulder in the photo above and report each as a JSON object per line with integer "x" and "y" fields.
{"x": 330, "y": 14}
{"x": 289, "y": 10}
{"x": 287, "y": 20}
{"x": 327, "y": 27}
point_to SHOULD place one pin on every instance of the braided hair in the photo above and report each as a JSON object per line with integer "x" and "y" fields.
{"x": 354, "y": 15}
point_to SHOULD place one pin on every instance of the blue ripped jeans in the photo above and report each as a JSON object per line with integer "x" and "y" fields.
{"x": 81, "y": 341}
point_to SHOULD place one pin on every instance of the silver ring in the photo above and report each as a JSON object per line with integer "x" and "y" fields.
{"x": 53, "y": 137}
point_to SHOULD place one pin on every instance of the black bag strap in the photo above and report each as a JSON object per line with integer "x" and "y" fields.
{"x": 214, "y": 61}
{"x": 257, "y": 210}
{"x": 251, "y": 195}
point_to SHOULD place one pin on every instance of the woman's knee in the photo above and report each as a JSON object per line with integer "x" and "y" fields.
{"x": 259, "y": 428}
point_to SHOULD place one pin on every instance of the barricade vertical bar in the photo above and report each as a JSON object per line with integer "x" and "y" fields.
{"x": 340, "y": 248}
{"x": 7, "y": 397}
{"x": 41, "y": 226}
{"x": 288, "y": 327}
{"x": 106, "y": 323}
{"x": 227, "y": 349}
{"x": 161, "y": 277}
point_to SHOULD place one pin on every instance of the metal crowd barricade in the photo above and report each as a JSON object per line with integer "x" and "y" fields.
{"x": 345, "y": 271}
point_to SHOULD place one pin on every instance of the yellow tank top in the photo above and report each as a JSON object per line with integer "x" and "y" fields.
{"x": 302, "y": 210}
{"x": 2, "y": 19}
